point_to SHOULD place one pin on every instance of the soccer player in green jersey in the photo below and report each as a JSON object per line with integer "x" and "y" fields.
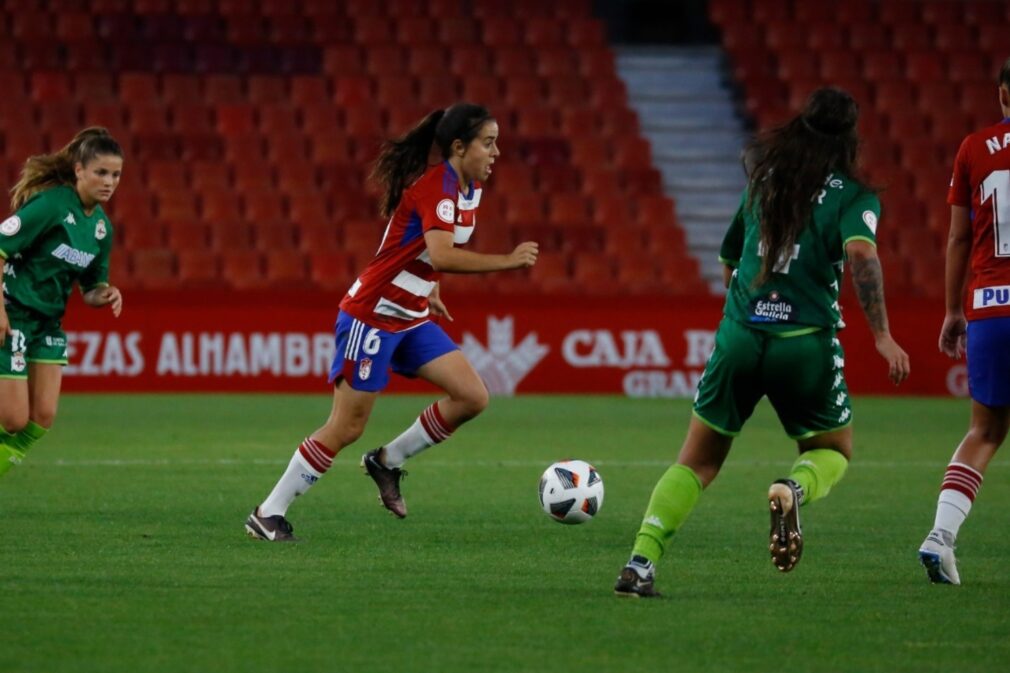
{"x": 58, "y": 234}
{"x": 802, "y": 215}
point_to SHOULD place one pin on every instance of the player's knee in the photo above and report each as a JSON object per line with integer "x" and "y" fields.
{"x": 44, "y": 417}
{"x": 13, "y": 422}
{"x": 992, "y": 434}
{"x": 477, "y": 399}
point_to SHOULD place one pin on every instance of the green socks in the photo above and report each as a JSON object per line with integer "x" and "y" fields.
{"x": 14, "y": 447}
{"x": 816, "y": 471}
{"x": 672, "y": 500}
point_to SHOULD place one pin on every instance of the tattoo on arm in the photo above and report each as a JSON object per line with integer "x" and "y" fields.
{"x": 869, "y": 283}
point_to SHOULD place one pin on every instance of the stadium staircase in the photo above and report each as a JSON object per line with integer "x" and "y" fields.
{"x": 689, "y": 116}
{"x": 249, "y": 126}
{"x": 923, "y": 72}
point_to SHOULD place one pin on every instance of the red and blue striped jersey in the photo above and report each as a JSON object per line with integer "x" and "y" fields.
{"x": 392, "y": 292}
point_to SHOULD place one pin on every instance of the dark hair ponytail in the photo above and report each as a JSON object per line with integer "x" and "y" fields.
{"x": 45, "y": 171}
{"x": 403, "y": 160}
{"x": 790, "y": 164}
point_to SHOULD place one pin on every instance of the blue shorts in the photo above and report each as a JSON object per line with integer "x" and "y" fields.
{"x": 365, "y": 354}
{"x": 989, "y": 361}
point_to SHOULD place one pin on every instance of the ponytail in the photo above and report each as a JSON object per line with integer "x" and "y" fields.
{"x": 403, "y": 160}
{"x": 45, "y": 171}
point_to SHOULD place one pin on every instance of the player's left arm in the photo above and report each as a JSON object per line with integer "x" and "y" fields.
{"x": 94, "y": 282}
{"x": 436, "y": 305}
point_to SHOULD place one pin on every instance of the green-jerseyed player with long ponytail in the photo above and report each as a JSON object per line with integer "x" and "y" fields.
{"x": 58, "y": 235}
{"x": 802, "y": 215}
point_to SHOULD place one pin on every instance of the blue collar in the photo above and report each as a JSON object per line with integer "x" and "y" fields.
{"x": 455, "y": 176}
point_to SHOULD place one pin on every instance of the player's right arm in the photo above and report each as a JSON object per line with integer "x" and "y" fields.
{"x": 17, "y": 233}
{"x": 446, "y": 257}
{"x": 954, "y": 330}
{"x": 732, "y": 244}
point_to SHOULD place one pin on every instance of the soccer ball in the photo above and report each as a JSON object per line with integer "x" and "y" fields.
{"x": 571, "y": 491}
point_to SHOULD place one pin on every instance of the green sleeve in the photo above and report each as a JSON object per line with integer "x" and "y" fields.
{"x": 732, "y": 244}
{"x": 859, "y": 219}
{"x": 32, "y": 220}
{"x": 97, "y": 272}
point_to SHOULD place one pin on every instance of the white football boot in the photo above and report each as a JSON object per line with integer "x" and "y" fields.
{"x": 936, "y": 553}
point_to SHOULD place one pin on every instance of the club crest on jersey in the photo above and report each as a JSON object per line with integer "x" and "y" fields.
{"x": 100, "y": 230}
{"x": 991, "y": 297}
{"x": 10, "y": 226}
{"x": 446, "y": 211}
{"x": 365, "y": 369}
{"x": 18, "y": 363}
{"x": 870, "y": 219}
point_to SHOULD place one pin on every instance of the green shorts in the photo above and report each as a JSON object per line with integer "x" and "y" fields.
{"x": 34, "y": 339}
{"x": 803, "y": 377}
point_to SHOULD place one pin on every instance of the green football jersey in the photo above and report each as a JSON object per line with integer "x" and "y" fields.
{"x": 48, "y": 244}
{"x": 802, "y": 293}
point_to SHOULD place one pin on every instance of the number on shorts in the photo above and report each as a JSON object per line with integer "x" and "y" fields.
{"x": 997, "y": 187}
{"x": 18, "y": 341}
{"x": 372, "y": 342}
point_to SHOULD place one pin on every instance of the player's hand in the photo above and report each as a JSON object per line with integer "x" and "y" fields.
{"x": 525, "y": 255}
{"x": 898, "y": 365}
{"x": 953, "y": 335}
{"x": 437, "y": 307}
{"x": 106, "y": 296}
{"x": 5, "y": 325}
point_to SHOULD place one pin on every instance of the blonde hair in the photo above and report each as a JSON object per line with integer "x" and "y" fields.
{"x": 45, "y": 171}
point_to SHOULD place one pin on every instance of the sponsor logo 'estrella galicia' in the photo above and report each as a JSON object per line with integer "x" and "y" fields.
{"x": 990, "y": 297}
{"x": 773, "y": 309}
{"x": 73, "y": 256}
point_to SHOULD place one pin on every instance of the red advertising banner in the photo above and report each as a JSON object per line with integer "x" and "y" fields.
{"x": 283, "y": 342}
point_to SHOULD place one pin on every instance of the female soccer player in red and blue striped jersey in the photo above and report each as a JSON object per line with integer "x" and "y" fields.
{"x": 979, "y": 199}
{"x": 384, "y": 321}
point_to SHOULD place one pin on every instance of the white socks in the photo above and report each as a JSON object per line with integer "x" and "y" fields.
{"x": 310, "y": 462}
{"x": 428, "y": 430}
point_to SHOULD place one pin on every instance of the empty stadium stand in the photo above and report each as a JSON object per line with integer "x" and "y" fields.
{"x": 249, "y": 126}
{"x": 924, "y": 75}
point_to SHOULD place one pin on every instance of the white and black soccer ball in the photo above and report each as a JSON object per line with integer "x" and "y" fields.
{"x": 571, "y": 491}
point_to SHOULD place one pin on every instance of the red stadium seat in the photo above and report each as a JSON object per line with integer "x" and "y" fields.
{"x": 569, "y": 210}
{"x": 900, "y": 12}
{"x": 269, "y": 236}
{"x": 226, "y": 236}
{"x": 372, "y": 30}
{"x": 513, "y": 62}
{"x": 243, "y": 269}
{"x": 198, "y": 268}
{"x": 331, "y": 269}
{"x": 50, "y": 87}
{"x": 501, "y": 32}
{"x": 925, "y": 66}
{"x": 153, "y": 268}
{"x": 138, "y": 235}
{"x": 320, "y": 235}
{"x": 585, "y": 34}
{"x": 222, "y": 90}
{"x": 187, "y": 235}
{"x": 437, "y": 91}
{"x": 286, "y": 268}
{"x": 219, "y": 206}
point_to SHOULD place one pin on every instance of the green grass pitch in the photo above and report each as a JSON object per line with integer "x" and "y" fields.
{"x": 122, "y": 547}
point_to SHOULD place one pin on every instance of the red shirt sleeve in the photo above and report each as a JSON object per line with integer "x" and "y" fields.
{"x": 436, "y": 208}
{"x": 960, "y": 183}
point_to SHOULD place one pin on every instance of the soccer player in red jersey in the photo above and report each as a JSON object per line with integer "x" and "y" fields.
{"x": 384, "y": 321}
{"x": 979, "y": 201}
